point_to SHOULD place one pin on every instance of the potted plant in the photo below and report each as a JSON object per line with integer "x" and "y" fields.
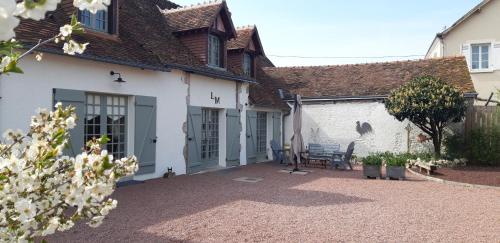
{"x": 371, "y": 166}
{"x": 395, "y": 167}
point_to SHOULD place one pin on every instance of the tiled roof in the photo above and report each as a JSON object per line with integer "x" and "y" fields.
{"x": 264, "y": 93}
{"x": 244, "y": 35}
{"x": 375, "y": 79}
{"x": 145, "y": 38}
{"x": 194, "y": 17}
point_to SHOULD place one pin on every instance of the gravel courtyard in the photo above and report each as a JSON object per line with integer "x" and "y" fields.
{"x": 323, "y": 206}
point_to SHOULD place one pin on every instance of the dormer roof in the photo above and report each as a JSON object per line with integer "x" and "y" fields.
{"x": 247, "y": 38}
{"x": 200, "y": 16}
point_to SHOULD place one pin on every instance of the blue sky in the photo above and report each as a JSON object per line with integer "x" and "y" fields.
{"x": 339, "y": 28}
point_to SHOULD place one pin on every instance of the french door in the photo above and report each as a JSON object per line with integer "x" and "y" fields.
{"x": 107, "y": 115}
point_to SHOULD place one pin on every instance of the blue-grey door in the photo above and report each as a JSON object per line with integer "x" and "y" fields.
{"x": 251, "y": 137}
{"x": 233, "y": 131}
{"x": 75, "y": 98}
{"x": 261, "y": 138}
{"x": 203, "y": 138}
{"x": 145, "y": 133}
{"x": 277, "y": 127}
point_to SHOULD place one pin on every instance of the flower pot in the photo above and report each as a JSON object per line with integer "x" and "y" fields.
{"x": 395, "y": 172}
{"x": 371, "y": 171}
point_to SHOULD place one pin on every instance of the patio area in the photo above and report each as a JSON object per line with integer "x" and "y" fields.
{"x": 322, "y": 206}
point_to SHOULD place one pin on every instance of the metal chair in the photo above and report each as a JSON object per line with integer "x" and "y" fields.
{"x": 278, "y": 152}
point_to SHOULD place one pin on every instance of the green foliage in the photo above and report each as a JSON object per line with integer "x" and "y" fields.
{"x": 430, "y": 104}
{"x": 373, "y": 159}
{"x": 482, "y": 146}
{"x": 396, "y": 160}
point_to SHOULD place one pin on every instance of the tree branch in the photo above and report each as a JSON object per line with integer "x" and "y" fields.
{"x": 40, "y": 43}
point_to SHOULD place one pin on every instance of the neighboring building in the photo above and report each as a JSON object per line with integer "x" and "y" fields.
{"x": 345, "y": 103}
{"x": 179, "y": 106}
{"x": 477, "y": 37}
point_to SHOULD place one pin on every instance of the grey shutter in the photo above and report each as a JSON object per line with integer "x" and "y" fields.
{"x": 75, "y": 98}
{"x": 194, "y": 139}
{"x": 145, "y": 133}
{"x": 251, "y": 137}
{"x": 233, "y": 132}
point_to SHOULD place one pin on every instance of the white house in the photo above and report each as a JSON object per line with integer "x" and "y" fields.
{"x": 476, "y": 37}
{"x": 154, "y": 79}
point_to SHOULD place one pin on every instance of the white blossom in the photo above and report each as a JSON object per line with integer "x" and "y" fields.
{"x": 72, "y": 47}
{"x": 38, "y": 11}
{"x": 66, "y": 30}
{"x": 39, "y": 56}
{"x": 7, "y": 20}
{"x": 92, "y": 5}
{"x": 5, "y": 62}
{"x": 42, "y": 191}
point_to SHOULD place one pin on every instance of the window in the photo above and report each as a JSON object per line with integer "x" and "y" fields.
{"x": 99, "y": 21}
{"x": 107, "y": 115}
{"x": 209, "y": 134}
{"x": 247, "y": 65}
{"x": 214, "y": 51}
{"x": 261, "y": 132}
{"x": 480, "y": 56}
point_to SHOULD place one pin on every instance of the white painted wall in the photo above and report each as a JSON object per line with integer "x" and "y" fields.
{"x": 336, "y": 123}
{"x": 23, "y": 94}
{"x": 243, "y": 106}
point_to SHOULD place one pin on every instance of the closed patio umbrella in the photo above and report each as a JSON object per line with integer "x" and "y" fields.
{"x": 297, "y": 140}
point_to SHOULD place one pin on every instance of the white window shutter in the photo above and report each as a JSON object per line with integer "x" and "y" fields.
{"x": 466, "y": 53}
{"x": 496, "y": 56}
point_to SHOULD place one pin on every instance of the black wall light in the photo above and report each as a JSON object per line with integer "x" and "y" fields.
{"x": 119, "y": 79}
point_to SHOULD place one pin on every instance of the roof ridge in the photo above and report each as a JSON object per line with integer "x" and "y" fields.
{"x": 244, "y": 27}
{"x": 364, "y": 64}
{"x": 193, "y": 6}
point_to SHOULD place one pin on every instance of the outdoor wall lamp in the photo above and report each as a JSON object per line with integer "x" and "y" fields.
{"x": 119, "y": 79}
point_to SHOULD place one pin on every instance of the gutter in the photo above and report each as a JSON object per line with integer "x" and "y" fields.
{"x": 212, "y": 74}
{"x": 359, "y": 98}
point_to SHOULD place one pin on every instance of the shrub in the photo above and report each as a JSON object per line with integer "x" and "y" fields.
{"x": 397, "y": 160}
{"x": 374, "y": 159}
{"x": 483, "y": 146}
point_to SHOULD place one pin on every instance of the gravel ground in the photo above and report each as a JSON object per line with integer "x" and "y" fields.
{"x": 489, "y": 176}
{"x": 323, "y": 206}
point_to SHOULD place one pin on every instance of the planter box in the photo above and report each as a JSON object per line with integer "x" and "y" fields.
{"x": 371, "y": 171}
{"x": 395, "y": 172}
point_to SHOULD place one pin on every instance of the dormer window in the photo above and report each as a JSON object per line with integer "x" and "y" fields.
{"x": 98, "y": 21}
{"x": 248, "y": 65}
{"x": 215, "y": 46}
{"x": 102, "y": 21}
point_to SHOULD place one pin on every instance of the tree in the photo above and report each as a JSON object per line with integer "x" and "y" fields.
{"x": 41, "y": 190}
{"x": 430, "y": 104}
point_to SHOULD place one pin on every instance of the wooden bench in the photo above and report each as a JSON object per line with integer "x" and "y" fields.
{"x": 427, "y": 167}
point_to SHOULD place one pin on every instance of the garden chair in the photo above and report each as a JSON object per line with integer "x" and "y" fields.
{"x": 345, "y": 159}
{"x": 278, "y": 152}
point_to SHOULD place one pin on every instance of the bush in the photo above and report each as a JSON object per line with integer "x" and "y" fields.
{"x": 482, "y": 147}
{"x": 374, "y": 159}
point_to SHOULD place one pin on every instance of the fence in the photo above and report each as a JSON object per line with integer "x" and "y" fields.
{"x": 481, "y": 117}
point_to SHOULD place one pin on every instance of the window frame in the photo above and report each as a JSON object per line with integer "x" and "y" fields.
{"x": 220, "y": 52}
{"x": 480, "y": 60}
{"x": 251, "y": 68}
{"x": 110, "y": 19}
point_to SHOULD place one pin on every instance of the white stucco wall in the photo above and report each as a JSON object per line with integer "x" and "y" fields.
{"x": 336, "y": 123}
{"x": 22, "y": 94}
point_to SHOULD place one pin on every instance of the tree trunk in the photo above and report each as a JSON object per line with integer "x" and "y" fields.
{"x": 436, "y": 140}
